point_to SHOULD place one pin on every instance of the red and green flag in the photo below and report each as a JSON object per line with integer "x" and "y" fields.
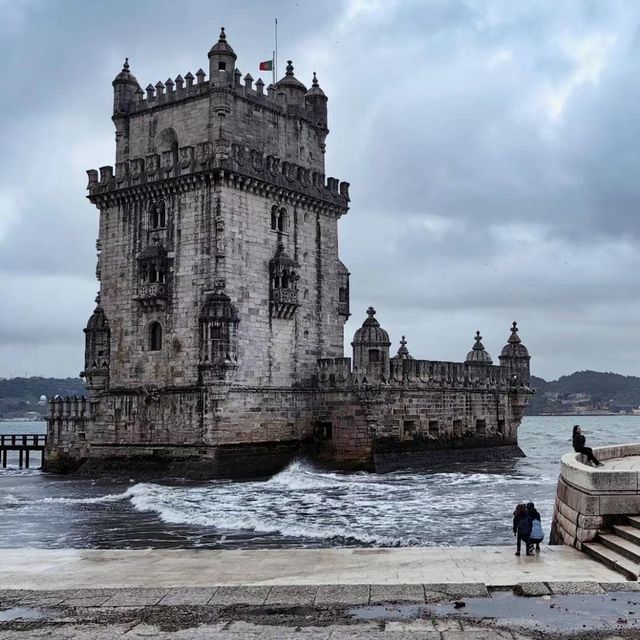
{"x": 267, "y": 65}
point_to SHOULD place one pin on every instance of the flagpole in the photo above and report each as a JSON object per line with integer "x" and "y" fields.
{"x": 275, "y": 56}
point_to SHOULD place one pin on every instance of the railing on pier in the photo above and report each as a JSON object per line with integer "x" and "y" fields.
{"x": 24, "y": 444}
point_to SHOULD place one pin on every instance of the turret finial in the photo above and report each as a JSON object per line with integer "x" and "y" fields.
{"x": 371, "y": 312}
{"x": 289, "y": 68}
{"x": 478, "y": 346}
{"x": 315, "y": 80}
{"x": 223, "y": 35}
{"x": 125, "y": 66}
{"x": 514, "y": 337}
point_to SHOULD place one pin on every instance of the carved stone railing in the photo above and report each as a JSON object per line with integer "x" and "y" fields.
{"x": 285, "y": 296}
{"x": 152, "y": 294}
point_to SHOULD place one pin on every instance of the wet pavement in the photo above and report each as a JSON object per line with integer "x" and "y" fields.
{"x": 299, "y": 612}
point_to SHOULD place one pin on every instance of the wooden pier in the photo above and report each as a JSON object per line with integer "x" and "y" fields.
{"x": 24, "y": 444}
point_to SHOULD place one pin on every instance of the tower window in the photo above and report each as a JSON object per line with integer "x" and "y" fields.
{"x": 155, "y": 336}
{"x": 222, "y": 66}
{"x": 278, "y": 219}
{"x": 157, "y": 215}
{"x": 374, "y": 355}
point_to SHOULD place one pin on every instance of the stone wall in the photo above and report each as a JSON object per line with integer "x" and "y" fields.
{"x": 590, "y": 499}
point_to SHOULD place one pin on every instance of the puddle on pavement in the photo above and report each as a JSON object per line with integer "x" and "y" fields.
{"x": 609, "y": 611}
{"x": 22, "y": 613}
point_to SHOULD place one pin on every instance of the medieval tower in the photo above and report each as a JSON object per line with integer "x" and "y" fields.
{"x": 217, "y": 338}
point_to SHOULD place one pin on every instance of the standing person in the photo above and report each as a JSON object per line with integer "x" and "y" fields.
{"x": 537, "y": 534}
{"x": 579, "y": 446}
{"x": 522, "y": 528}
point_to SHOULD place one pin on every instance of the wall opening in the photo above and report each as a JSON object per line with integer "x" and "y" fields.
{"x": 481, "y": 427}
{"x": 374, "y": 355}
{"x": 434, "y": 428}
{"x": 155, "y": 336}
{"x": 323, "y": 430}
{"x": 501, "y": 428}
{"x": 408, "y": 428}
{"x": 457, "y": 428}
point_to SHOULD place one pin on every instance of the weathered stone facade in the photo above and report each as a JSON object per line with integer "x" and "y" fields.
{"x": 218, "y": 334}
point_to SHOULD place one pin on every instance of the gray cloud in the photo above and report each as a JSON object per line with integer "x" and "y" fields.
{"x": 492, "y": 149}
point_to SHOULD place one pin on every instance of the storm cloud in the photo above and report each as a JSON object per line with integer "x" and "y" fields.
{"x": 492, "y": 149}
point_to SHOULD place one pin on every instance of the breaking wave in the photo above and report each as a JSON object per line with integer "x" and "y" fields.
{"x": 396, "y": 509}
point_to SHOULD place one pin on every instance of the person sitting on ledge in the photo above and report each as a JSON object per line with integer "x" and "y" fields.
{"x": 579, "y": 446}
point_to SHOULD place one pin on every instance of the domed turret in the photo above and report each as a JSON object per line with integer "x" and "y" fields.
{"x": 222, "y": 62}
{"x": 515, "y": 356}
{"x": 403, "y": 352}
{"x": 371, "y": 349}
{"x": 316, "y": 104}
{"x": 125, "y": 90}
{"x": 478, "y": 355}
{"x": 97, "y": 350}
{"x": 290, "y": 85}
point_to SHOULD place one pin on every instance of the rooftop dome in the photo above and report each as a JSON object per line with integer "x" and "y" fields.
{"x": 514, "y": 347}
{"x": 370, "y": 332}
{"x": 98, "y": 320}
{"x": 125, "y": 75}
{"x": 315, "y": 88}
{"x": 222, "y": 46}
{"x": 403, "y": 352}
{"x": 478, "y": 355}
{"x": 290, "y": 80}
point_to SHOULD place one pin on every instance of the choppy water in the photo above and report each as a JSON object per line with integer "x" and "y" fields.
{"x": 301, "y": 506}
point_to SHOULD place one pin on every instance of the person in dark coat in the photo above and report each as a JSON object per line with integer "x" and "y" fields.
{"x": 522, "y": 528}
{"x": 537, "y": 535}
{"x": 579, "y": 446}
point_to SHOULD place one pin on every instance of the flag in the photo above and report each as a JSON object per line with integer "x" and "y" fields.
{"x": 267, "y": 65}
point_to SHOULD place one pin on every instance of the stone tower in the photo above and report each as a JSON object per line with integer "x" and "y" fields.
{"x": 220, "y": 282}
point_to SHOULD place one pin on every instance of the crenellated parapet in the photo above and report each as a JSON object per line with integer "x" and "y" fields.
{"x": 426, "y": 374}
{"x": 240, "y": 163}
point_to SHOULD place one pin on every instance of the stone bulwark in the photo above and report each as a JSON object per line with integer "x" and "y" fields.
{"x": 595, "y": 507}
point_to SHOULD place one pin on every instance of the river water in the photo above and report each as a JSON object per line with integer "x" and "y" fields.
{"x": 301, "y": 506}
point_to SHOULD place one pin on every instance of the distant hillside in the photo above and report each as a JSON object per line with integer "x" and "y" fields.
{"x": 586, "y": 391}
{"x": 20, "y": 396}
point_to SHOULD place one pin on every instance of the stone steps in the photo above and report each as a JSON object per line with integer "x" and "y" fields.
{"x": 628, "y": 532}
{"x": 621, "y": 545}
{"x": 611, "y": 558}
{"x": 619, "y": 549}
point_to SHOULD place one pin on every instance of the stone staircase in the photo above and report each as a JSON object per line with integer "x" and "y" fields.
{"x": 619, "y": 549}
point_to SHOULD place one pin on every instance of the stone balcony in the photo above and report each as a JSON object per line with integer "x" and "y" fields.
{"x": 152, "y": 294}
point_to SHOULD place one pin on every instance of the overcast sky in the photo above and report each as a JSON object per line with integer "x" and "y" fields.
{"x": 493, "y": 150}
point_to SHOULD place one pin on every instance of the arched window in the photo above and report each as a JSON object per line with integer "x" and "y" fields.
{"x": 278, "y": 219}
{"x": 282, "y": 220}
{"x": 155, "y": 336}
{"x": 157, "y": 215}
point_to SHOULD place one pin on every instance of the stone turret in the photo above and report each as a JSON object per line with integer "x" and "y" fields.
{"x": 403, "y": 352}
{"x": 478, "y": 354}
{"x": 316, "y": 104}
{"x": 371, "y": 349}
{"x": 293, "y": 90}
{"x": 97, "y": 350}
{"x": 125, "y": 90}
{"x": 222, "y": 62}
{"x": 516, "y": 357}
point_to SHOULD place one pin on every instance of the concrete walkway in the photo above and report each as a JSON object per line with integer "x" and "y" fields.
{"x": 39, "y": 569}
